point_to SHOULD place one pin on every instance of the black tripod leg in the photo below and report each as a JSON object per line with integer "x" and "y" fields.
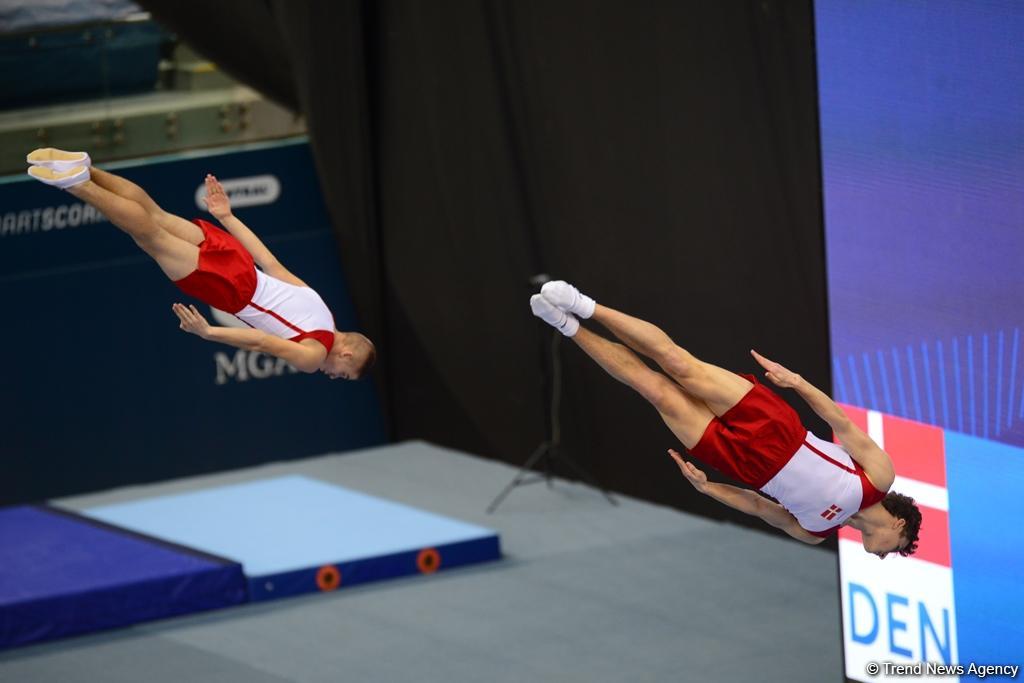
{"x": 583, "y": 474}
{"x": 520, "y": 476}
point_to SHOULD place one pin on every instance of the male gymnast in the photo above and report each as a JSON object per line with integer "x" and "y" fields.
{"x": 741, "y": 427}
{"x": 286, "y": 317}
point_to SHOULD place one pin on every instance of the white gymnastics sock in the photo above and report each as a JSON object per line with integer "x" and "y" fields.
{"x": 58, "y": 159}
{"x": 61, "y": 179}
{"x": 566, "y": 323}
{"x": 568, "y": 298}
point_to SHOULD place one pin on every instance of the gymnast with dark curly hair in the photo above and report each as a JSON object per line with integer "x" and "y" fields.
{"x": 745, "y": 430}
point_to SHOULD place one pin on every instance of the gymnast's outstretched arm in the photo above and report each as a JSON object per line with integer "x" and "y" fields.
{"x": 859, "y": 445}
{"x": 218, "y": 204}
{"x": 306, "y": 355}
{"x": 744, "y": 500}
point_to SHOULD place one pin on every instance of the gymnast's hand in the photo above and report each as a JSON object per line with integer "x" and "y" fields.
{"x": 782, "y": 377}
{"x": 191, "y": 320}
{"x": 692, "y": 474}
{"x": 216, "y": 199}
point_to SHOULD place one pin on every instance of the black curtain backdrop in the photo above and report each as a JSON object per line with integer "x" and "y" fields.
{"x": 662, "y": 155}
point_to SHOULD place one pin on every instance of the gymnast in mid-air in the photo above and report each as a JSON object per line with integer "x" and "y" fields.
{"x": 286, "y": 318}
{"x": 745, "y": 430}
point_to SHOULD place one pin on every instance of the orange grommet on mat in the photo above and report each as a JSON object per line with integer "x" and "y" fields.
{"x": 429, "y": 561}
{"x": 328, "y": 578}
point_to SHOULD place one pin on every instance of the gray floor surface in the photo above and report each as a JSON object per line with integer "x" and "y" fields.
{"x": 586, "y": 592}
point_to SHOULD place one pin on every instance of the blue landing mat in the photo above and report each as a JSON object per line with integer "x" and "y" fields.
{"x": 295, "y": 535}
{"x": 61, "y": 574}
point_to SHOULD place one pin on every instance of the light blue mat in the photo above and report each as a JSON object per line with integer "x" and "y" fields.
{"x": 288, "y": 523}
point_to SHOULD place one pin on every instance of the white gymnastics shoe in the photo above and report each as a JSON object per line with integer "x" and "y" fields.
{"x": 569, "y": 299}
{"x": 58, "y": 159}
{"x": 61, "y": 179}
{"x": 566, "y": 323}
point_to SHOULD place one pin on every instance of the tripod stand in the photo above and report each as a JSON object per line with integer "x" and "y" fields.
{"x": 550, "y": 450}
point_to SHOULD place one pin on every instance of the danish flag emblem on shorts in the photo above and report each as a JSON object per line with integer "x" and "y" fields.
{"x": 831, "y": 513}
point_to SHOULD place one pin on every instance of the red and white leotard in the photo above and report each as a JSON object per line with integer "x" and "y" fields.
{"x": 761, "y": 442}
{"x": 289, "y": 311}
{"x": 822, "y": 486}
{"x": 226, "y": 278}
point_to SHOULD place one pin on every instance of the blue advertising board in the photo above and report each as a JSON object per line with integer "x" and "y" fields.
{"x": 922, "y": 139}
{"x": 101, "y": 388}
